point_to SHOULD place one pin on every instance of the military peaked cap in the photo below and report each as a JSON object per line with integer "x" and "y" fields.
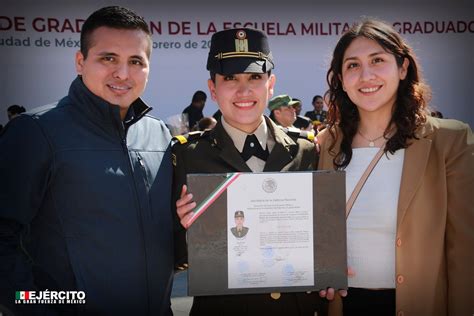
{"x": 237, "y": 51}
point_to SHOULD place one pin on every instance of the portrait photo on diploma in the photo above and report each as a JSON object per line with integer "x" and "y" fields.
{"x": 279, "y": 251}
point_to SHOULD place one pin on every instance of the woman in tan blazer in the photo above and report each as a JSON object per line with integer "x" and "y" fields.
{"x": 410, "y": 233}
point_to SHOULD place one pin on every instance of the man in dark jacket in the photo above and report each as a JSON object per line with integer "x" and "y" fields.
{"x": 194, "y": 110}
{"x": 86, "y": 186}
{"x": 240, "y": 64}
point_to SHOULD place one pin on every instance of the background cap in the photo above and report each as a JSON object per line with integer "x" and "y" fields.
{"x": 294, "y": 101}
{"x": 237, "y": 51}
{"x": 279, "y": 101}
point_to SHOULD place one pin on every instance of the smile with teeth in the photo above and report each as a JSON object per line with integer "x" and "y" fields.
{"x": 121, "y": 88}
{"x": 244, "y": 104}
{"x": 369, "y": 90}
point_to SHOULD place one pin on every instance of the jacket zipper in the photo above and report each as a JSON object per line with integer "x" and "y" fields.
{"x": 142, "y": 165}
{"x": 137, "y": 201}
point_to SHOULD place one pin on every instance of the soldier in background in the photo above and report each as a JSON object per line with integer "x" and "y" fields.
{"x": 282, "y": 110}
{"x": 318, "y": 115}
{"x": 302, "y": 122}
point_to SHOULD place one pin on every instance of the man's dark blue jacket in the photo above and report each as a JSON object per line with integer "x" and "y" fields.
{"x": 85, "y": 205}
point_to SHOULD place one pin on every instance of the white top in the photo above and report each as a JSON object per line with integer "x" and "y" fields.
{"x": 372, "y": 223}
{"x": 238, "y": 137}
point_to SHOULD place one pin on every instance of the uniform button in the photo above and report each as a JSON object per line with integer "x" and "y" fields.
{"x": 400, "y": 279}
{"x": 275, "y": 296}
{"x": 399, "y": 242}
{"x": 252, "y": 145}
{"x": 308, "y": 292}
{"x": 400, "y": 313}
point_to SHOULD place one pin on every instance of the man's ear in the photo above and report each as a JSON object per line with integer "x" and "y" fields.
{"x": 79, "y": 62}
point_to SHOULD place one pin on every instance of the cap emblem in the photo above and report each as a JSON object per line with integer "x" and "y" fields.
{"x": 241, "y": 42}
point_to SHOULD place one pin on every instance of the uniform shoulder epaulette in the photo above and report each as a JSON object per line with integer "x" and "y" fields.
{"x": 189, "y": 137}
{"x": 296, "y": 133}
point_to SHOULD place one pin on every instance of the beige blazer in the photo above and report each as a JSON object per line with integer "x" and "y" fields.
{"x": 435, "y": 221}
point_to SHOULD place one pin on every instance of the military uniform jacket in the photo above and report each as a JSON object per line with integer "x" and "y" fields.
{"x": 239, "y": 233}
{"x": 320, "y": 116}
{"x": 214, "y": 152}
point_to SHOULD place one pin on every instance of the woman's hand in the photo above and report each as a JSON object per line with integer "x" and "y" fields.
{"x": 329, "y": 292}
{"x": 185, "y": 205}
{"x": 317, "y": 146}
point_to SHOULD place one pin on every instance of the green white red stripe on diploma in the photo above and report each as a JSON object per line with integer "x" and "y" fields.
{"x": 231, "y": 177}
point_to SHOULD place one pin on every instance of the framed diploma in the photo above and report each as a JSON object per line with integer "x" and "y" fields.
{"x": 267, "y": 232}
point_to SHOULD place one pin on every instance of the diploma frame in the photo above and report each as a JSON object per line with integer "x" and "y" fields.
{"x": 207, "y": 237}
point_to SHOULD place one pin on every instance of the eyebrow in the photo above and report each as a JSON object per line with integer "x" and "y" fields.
{"x": 370, "y": 55}
{"x": 137, "y": 57}
{"x": 116, "y": 55}
{"x": 106, "y": 54}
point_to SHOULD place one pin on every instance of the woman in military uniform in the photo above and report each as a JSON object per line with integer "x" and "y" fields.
{"x": 240, "y": 64}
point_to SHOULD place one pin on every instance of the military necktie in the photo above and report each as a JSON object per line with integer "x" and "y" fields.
{"x": 252, "y": 147}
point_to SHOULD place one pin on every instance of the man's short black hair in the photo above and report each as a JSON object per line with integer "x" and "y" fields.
{"x": 317, "y": 97}
{"x": 199, "y": 96}
{"x": 114, "y": 17}
{"x": 16, "y": 109}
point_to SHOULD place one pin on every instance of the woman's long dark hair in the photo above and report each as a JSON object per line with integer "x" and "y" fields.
{"x": 412, "y": 95}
